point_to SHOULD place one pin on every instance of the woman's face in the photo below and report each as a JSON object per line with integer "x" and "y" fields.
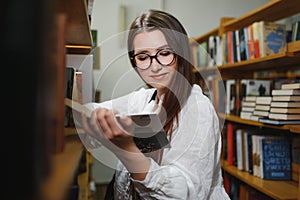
{"x": 154, "y": 43}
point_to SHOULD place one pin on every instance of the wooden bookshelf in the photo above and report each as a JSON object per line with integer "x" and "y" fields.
{"x": 77, "y": 40}
{"x": 271, "y": 11}
{"x": 63, "y": 168}
{"x": 285, "y": 65}
{"x": 78, "y": 33}
{"x": 278, "y": 190}
{"x": 237, "y": 119}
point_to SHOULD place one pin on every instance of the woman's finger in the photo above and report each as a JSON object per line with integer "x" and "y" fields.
{"x": 101, "y": 117}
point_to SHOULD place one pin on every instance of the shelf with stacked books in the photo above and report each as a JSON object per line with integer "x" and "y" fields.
{"x": 286, "y": 65}
{"x": 273, "y": 189}
{"x": 293, "y": 128}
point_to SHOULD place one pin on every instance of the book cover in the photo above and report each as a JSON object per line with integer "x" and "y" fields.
{"x": 272, "y": 38}
{"x": 250, "y": 43}
{"x": 237, "y": 46}
{"x": 256, "y": 38}
{"x": 230, "y": 96}
{"x": 242, "y": 43}
{"x": 276, "y": 158}
{"x": 212, "y": 50}
{"x": 255, "y": 87}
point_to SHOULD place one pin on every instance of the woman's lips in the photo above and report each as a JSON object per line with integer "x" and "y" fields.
{"x": 159, "y": 76}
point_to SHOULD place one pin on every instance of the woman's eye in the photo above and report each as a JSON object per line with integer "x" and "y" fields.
{"x": 142, "y": 57}
{"x": 164, "y": 53}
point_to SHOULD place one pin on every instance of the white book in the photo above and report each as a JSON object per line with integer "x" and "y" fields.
{"x": 245, "y": 115}
{"x": 286, "y": 92}
{"x": 248, "y": 103}
{"x": 285, "y": 104}
{"x": 239, "y": 149}
{"x": 286, "y": 98}
{"x": 261, "y": 113}
{"x": 237, "y": 42}
{"x": 290, "y": 86}
{"x": 284, "y": 116}
{"x": 247, "y": 109}
{"x": 262, "y": 107}
{"x": 263, "y": 100}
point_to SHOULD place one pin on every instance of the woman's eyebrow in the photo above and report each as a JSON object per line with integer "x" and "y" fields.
{"x": 147, "y": 50}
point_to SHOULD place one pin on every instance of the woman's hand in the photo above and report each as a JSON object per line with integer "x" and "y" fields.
{"x": 104, "y": 126}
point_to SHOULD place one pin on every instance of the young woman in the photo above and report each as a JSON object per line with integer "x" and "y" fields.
{"x": 189, "y": 168}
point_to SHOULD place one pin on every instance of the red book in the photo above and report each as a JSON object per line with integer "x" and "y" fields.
{"x": 230, "y": 145}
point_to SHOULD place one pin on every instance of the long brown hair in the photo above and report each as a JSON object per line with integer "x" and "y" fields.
{"x": 176, "y": 36}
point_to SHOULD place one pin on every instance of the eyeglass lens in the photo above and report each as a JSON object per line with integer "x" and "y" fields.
{"x": 164, "y": 57}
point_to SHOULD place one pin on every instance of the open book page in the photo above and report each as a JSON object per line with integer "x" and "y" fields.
{"x": 148, "y": 133}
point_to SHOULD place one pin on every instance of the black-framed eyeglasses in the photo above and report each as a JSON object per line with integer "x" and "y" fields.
{"x": 164, "y": 57}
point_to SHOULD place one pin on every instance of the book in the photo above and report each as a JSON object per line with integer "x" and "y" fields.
{"x": 272, "y": 38}
{"x": 231, "y": 150}
{"x": 230, "y": 96}
{"x": 263, "y": 100}
{"x": 246, "y": 114}
{"x": 285, "y": 104}
{"x": 239, "y": 148}
{"x": 290, "y": 86}
{"x": 255, "y": 87}
{"x": 242, "y": 44}
{"x": 70, "y": 76}
{"x": 148, "y": 135}
{"x": 285, "y": 110}
{"x": 261, "y": 113}
{"x": 262, "y": 107}
{"x": 285, "y": 98}
{"x": 295, "y": 31}
{"x": 284, "y": 116}
{"x": 278, "y": 121}
{"x": 250, "y": 98}
{"x": 286, "y": 92}
{"x": 276, "y": 158}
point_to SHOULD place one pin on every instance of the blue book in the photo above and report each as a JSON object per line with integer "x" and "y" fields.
{"x": 276, "y": 158}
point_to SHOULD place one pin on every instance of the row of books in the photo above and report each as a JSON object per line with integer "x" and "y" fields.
{"x": 281, "y": 107}
{"x": 259, "y": 39}
{"x": 262, "y": 154}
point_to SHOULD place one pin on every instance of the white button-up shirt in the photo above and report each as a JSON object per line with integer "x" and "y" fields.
{"x": 190, "y": 167}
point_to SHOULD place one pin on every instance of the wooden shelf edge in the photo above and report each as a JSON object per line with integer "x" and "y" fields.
{"x": 63, "y": 169}
{"x": 205, "y": 36}
{"x": 237, "y": 119}
{"x": 268, "y": 12}
{"x": 291, "y": 59}
{"x": 293, "y": 47}
{"x": 273, "y": 189}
